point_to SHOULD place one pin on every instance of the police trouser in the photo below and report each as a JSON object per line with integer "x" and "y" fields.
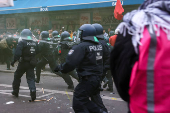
{"x": 98, "y": 101}
{"x": 51, "y": 61}
{"x": 44, "y": 60}
{"x": 72, "y": 73}
{"x": 66, "y": 78}
{"x": 84, "y": 90}
{"x": 21, "y": 69}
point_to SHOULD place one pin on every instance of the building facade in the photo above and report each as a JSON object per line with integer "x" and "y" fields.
{"x": 70, "y": 16}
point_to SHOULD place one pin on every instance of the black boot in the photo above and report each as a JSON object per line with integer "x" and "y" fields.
{"x": 33, "y": 95}
{"x": 14, "y": 94}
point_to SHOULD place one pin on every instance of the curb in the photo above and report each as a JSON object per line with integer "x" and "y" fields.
{"x": 43, "y": 74}
{"x": 7, "y": 71}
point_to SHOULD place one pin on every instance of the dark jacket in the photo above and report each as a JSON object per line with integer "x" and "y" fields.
{"x": 45, "y": 47}
{"x": 86, "y": 57}
{"x": 122, "y": 59}
{"x": 64, "y": 48}
{"x": 106, "y": 52}
{"x": 26, "y": 49}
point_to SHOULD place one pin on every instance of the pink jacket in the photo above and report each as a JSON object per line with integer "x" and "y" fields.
{"x": 150, "y": 79}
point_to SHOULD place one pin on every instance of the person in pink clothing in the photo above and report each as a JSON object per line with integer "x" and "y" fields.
{"x": 140, "y": 60}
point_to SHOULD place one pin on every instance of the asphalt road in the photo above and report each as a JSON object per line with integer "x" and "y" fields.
{"x": 49, "y": 87}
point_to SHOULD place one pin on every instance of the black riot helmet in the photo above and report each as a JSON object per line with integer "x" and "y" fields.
{"x": 26, "y": 34}
{"x": 65, "y": 36}
{"x": 99, "y": 30}
{"x": 55, "y": 34}
{"x": 86, "y": 31}
{"x": 44, "y": 35}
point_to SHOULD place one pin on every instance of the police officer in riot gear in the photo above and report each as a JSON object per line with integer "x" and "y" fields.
{"x": 25, "y": 52}
{"x": 107, "y": 49}
{"x": 56, "y": 37}
{"x": 106, "y": 57}
{"x": 87, "y": 58}
{"x": 46, "y": 49}
{"x": 65, "y": 45}
{"x": 56, "y": 41}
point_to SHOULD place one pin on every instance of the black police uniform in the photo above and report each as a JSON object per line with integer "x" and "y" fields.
{"x": 87, "y": 58}
{"x": 46, "y": 49}
{"x": 106, "y": 57}
{"x": 107, "y": 50}
{"x": 26, "y": 49}
{"x": 56, "y": 41}
{"x": 56, "y": 36}
{"x": 65, "y": 45}
{"x": 108, "y": 80}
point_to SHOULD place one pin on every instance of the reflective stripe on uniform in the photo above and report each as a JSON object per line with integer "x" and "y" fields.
{"x": 150, "y": 71}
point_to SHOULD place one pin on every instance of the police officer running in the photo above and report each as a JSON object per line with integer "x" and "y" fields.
{"x": 46, "y": 50}
{"x": 87, "y": 58}
{"x": 65, "y": 45}
{"x": 25, "y": 52}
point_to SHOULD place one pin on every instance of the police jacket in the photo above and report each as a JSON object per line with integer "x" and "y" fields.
{"x": 64, "y": 47}
{"x": 55, "y": 42}
{"x": 106, "y": 52}
{"x": 26, "y": 49}
{"x": 45, "y": 47}
{"x": 86, "y": 57}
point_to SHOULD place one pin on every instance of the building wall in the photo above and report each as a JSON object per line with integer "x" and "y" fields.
{"x": 70, "y": 19}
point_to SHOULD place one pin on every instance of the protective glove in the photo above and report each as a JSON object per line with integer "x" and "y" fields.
{"x": 12, "y": 63}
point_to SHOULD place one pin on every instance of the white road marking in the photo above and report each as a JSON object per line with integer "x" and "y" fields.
{"x": 11, "y": 94}
{"x": 50, "y": 92}
{"x": 46, "y": 95}
{"x": 19, "y": 91}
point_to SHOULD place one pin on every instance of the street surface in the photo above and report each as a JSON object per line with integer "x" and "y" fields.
{"x": 49, "y": 87}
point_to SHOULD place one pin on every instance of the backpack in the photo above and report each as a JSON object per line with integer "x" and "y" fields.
{"x": 149, "y": 87}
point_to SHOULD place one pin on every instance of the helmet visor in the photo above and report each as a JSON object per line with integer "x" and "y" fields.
{"x": 79, "y": 34}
